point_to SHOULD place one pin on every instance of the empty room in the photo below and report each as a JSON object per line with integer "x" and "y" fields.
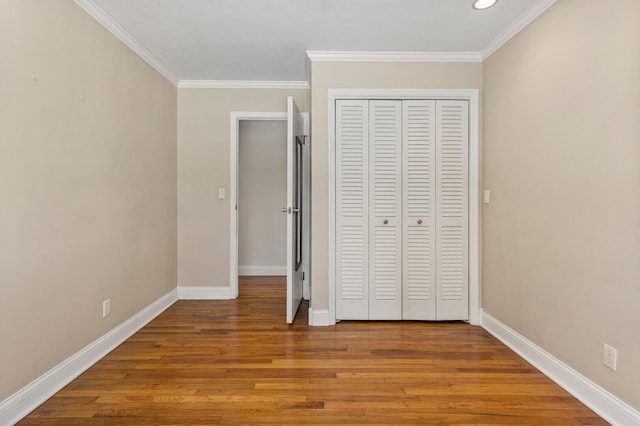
{"x": 320, "y": 212}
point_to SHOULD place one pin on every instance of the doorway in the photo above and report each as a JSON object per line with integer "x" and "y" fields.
{"x": 262, "y": 186}
{"x": 469, "y": 95}
{"x": 297, "y": 164}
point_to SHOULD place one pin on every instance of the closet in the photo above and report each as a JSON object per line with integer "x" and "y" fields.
{"x": 402, "y": 209}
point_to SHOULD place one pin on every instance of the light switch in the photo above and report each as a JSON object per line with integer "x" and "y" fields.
{"x": 487, "y": 196}
{"x": 221, "y": 193}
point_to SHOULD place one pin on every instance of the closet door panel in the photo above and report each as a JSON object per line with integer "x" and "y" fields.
{"x": 452, "y": 210}
{"x": 419, "y": 164}
{"x": 385, "y": 204}
{"x": 352, "y": 209}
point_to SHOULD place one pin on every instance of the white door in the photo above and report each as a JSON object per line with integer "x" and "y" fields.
{"x": 452, "y": 210}
{"x": 419, "y": 215}
{"x": 352, "y": 204}
{"x": 385, "y": 206}
{"x": 402, "y": 210}
{"x": 295, "y": 128}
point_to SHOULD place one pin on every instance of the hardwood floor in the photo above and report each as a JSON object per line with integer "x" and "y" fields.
{"x": 237, "y": 362}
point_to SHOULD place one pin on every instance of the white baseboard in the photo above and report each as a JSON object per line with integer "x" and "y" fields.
{"x": 205, "y": 293}
{"x": 44, "y": 387}
{"x": 319, "y": 317}
{"x": 262, "y": 270}
{"x": 606, "y": 405}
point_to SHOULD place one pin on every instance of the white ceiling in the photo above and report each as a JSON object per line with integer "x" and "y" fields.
{"x": 266, "y": 40}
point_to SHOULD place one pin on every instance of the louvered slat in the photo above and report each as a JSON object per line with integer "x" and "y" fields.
{"x": 384, "y": 260}
{"x": 452, "y": 210}
{"x": 352, "y": 228}
{"x": 385, "y": 162}
{"x": 418, "y": 270}
{"x": 418, "y": 210}
{"x": 451, "y": 271}
{"x": 353, "y": 261}
{"x": 406, "y": 163}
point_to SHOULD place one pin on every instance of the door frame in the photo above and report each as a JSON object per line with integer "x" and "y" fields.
{"x": 234, "y": 145}
{"x": 470, "y": 95}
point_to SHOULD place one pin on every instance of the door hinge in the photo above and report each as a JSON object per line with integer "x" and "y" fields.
{"x": 302, "y": 275}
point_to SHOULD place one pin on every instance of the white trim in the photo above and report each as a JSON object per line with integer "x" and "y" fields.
{"x": 234, "y": 127}
{"x": 331, "y": 312}
{"x": 319, "y": 317}
{"x": 392, "y": 56}
{"x": 306, "y": 213}
{"x": 475, "y": 294}
{"x": 450, "y": 94}
{"x": 111, "y": 25}
{"x": 253, "y": 270}
{"x": 35, "y": 393}
{"x": 472, "y": 95}
{"x": 606, "y": 405}
{"x": 241, "y": 84}
{"x": 518, "y": 25}
{"x": 205, "y": 293}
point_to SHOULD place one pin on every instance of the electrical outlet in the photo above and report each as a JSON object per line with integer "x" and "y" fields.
{"x": 609, "y": 356}
{"x": 106, "y": 308}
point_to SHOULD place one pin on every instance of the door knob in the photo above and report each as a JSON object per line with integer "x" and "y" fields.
{"x": 385, "y": 221}
{"x": 419, "y": 221}
{"x": 290, "y": 210}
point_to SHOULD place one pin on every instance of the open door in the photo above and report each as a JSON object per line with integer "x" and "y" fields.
{"x": 295, "y": 142}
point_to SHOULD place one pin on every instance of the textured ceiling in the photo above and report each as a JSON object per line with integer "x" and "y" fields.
{"x": 267, "y": 39}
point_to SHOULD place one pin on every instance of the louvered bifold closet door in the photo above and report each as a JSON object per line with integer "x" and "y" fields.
{"x": 352, "y": 209}
{"x": 419, "y": 215}
{"x": 452, "y": 206}
{"x": 385, "y": 206}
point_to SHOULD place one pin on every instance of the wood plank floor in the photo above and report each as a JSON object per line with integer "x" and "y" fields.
{"x": 237, "y": 362}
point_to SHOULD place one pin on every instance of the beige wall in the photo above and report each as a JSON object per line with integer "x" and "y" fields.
{"x": 562, "y": 160}
{"x": 359, "y": 75}
{"x": 203, "y": 167}
{"x": 87, "y": 183}
{"x": 262, "y": 192}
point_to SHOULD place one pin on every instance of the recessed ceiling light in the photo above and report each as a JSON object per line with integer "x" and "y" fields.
{"x": 483, "y": 4}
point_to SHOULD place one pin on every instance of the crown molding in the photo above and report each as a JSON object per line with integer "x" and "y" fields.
{"x": 315, "y": 56}
{"x": 107, "y": 21}
{"x": 346, "y": 56}
{"x": 518, "y": 25}
{"x": 241, "y": 84}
